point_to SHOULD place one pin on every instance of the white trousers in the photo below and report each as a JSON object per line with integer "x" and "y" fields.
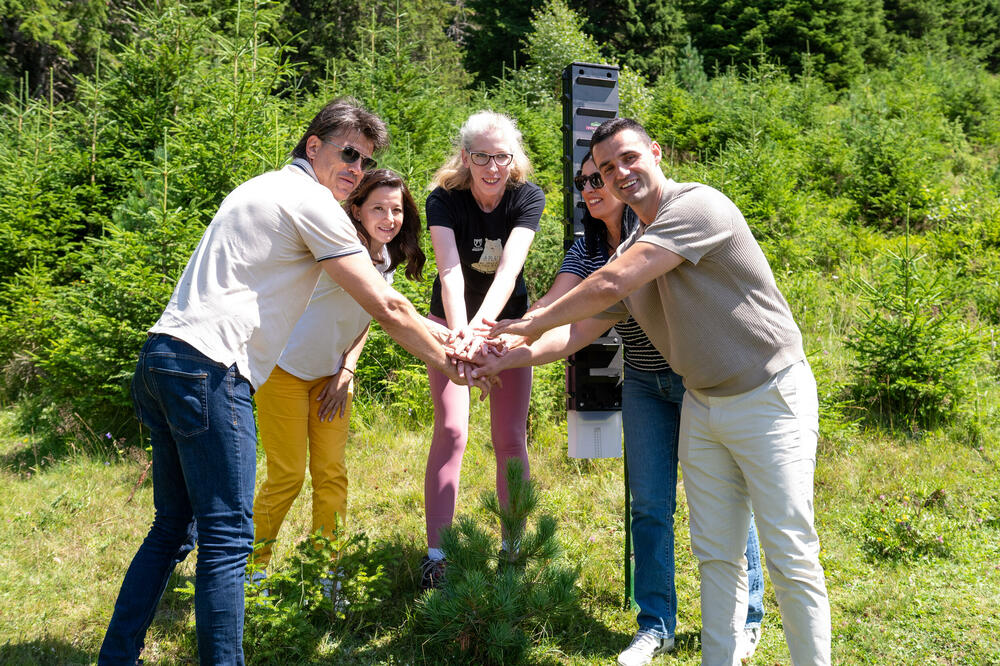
{"x": 756, "y": 449}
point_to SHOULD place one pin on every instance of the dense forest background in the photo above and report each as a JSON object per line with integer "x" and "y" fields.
{"x": 859, "y": 137}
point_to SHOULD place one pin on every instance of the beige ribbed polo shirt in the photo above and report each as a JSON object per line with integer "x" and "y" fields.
{"x": 718, "y": 318}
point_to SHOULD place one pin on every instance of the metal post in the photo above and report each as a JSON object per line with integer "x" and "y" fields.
{"x": 593, "y": 389}
{"x": 628, "y": 537}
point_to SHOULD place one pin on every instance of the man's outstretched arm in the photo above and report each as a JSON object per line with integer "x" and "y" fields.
{"x": 390, "y": 309}
{"x": 641, "y": 263}
{"x": 551, "y": 346}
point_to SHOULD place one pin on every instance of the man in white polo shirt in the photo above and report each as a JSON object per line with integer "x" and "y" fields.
{"x": 697, "y": 283}
{"x": 227, "y": 322}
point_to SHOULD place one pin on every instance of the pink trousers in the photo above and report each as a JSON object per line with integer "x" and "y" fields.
{"x": 508, "y": 428}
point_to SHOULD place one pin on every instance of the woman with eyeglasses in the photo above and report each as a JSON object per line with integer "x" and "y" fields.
{"x": 305, "y": 405}
{"x": 651, "y": 405}
{"x": 482, "y": 217}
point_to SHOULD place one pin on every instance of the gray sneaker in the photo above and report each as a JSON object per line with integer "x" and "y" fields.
{"x": 431, "y": 573}
{"x": 644, "y": 647}
{"x": 748, "y": 643}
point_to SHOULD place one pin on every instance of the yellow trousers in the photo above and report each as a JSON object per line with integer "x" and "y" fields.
{"x": 288, "y": 420}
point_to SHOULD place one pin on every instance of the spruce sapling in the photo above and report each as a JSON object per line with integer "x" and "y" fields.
{"x": 493, "y": 602}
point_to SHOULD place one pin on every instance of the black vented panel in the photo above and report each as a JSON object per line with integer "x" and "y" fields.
{"x": 590, "y": 96}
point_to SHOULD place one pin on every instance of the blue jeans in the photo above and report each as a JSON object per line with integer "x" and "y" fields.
{"x": 204, "y": 441}
{"x": 651, "y": 416}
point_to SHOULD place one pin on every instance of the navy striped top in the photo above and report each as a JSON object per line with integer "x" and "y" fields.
{"x": 640, "y": 354}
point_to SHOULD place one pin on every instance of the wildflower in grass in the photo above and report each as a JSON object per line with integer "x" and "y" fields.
{"x": 904, "y": 528}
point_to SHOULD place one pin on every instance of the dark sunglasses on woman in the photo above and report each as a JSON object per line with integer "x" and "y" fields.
{"x": 594, "y": 179}
{"x": 350, "y": 155}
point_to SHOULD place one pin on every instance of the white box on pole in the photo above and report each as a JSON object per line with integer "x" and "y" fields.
{"x": 594, "y": 434}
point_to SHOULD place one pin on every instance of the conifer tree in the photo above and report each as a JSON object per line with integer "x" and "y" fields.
{"x": 492, "y": 601}
{"x": 646, "y": 36}
{"x": 495, "y": 37}
{"x": 841, "y": 37}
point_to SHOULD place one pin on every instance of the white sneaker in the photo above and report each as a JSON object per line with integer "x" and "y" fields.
{"x": 644, "y": 647}
{"x": 333, "y": 589}
{"x": 748, "y": 643}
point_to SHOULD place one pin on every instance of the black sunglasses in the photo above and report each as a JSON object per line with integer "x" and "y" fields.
{"x": 594, "y": 179}
{"x": 350, "y": 155}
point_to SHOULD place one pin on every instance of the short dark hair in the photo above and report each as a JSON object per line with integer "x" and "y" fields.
{"x": 406, "y": 245}
{"x": 344, "y": 113}
{"x": 609, "y": 128}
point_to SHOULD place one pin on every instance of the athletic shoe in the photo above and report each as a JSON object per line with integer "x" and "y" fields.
{"x": 333, "y": 589}
{"x": 748, "y": 643}
{"x": 644, "y": 647}
{"x": 431, "y": 573}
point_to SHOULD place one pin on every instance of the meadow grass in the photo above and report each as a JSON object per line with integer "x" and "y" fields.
{"x": 69, "y": 531}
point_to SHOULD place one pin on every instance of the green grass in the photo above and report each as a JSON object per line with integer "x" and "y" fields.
{"x": 69, "y": 531}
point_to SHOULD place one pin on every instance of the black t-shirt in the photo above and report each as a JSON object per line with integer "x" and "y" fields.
{"x": 480, "y": 238}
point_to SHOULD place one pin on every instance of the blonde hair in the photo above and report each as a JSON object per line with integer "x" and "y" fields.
{"x": 454, "y": 175}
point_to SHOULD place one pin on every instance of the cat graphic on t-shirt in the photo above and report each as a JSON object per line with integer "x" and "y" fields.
{"x": 490, "y": 258}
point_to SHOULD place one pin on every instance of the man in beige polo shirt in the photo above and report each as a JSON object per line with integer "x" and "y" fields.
{"x": 695, "y": 279}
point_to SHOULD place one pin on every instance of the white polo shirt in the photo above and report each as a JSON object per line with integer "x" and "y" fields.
{"x": 252, "y": 274}
{"x": 332, "y": 321}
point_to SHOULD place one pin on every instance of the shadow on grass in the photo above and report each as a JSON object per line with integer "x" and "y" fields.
{"x": 35, "y": 435}
{"x": 32, "y": 458}
{"x": 44, "y": 651}
{"x": 587, "y": 637}
{"x": 373, "y": 630}
{"x": 385, "y": 635}
{"x": 37, "y": 457}
{"x": 176, "y": 607}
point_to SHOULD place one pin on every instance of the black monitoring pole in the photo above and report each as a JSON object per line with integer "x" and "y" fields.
{"x": 590, "y": 96}
{"x": 593, "y": 388}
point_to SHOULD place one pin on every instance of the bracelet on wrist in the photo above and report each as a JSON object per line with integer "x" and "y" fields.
{"x": 346, "y": 369}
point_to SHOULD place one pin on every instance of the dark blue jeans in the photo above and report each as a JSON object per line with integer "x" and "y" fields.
{"x": 651, "y": 417}
{"x": 204, "y": 441}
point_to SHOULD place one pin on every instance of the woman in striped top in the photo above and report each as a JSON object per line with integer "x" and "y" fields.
{"x": 651, "y": 407}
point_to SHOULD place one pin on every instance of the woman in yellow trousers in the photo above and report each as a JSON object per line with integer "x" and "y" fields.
{"x": 305, "y": 405}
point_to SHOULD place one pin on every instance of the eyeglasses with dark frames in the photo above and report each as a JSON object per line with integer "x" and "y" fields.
{"x": 594, "y": 179}
{"x": 482, "y": 159}
{"x": 350, "y": 155}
